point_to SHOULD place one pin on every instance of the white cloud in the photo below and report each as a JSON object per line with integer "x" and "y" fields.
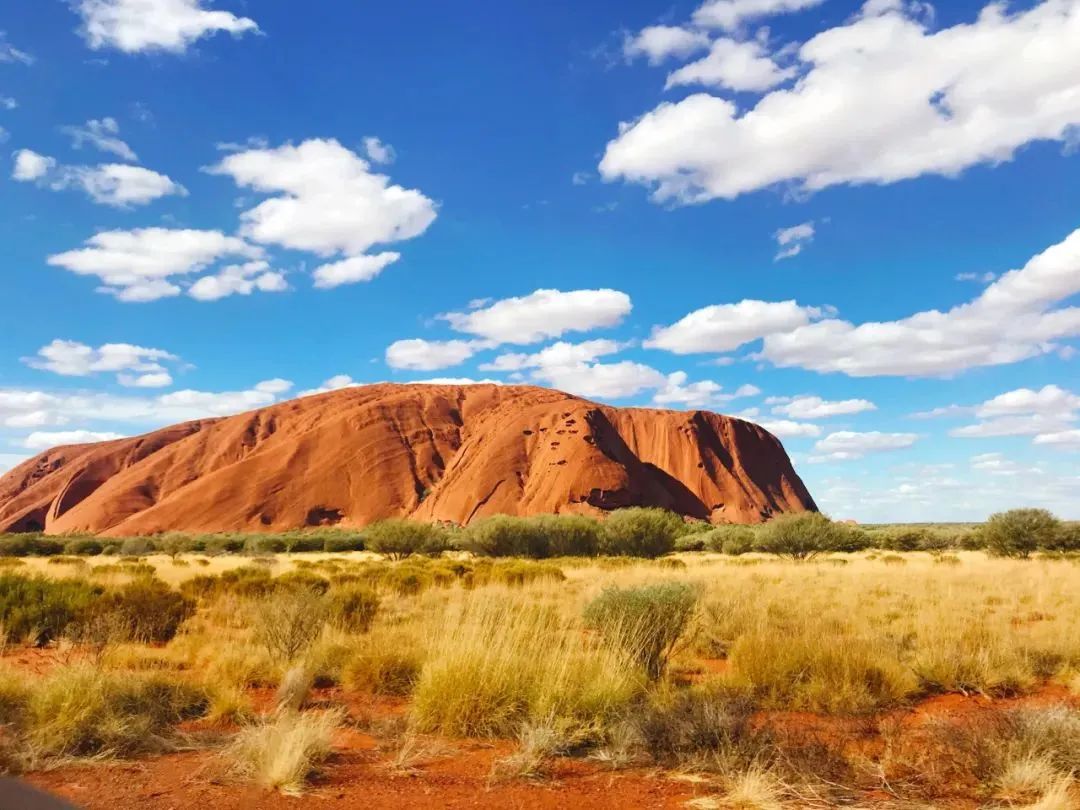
{"x": 379, "y": 152}
{"x": 880, "y": 99}
{"x": 997, "y": 464}
{"x": 557, "y": 354}
{"x": 846, "y": 445}
{"x": 725, "y": 327}
{"x": 1013, "y": 319}
{"x": 543, "y": 314}
{"x": 1066, "y": 439}
{"x": 602, "y": 380}
{"x": 429, "y": 355}
{"x": 809, "y": 407}
{"x": 133, "y": 26}
{"x": 104, "y": 135}
{"x": 791, "y": 241}
{"x": 580, "y": 178}
{"x": 985, "y": 278}
{"x": 9, "y": 53}
{"x": 1024, "y": 412}
{"x": 70, "y": 358}
{"x": 8, "y": 103}
{"x": 702, "y": 394}
{"x": 353, "y": 269}
{"x": 30, "y": 166}
{"x": 728, "y": 14}
{"x": 454, "y": 381}
{"x": 660, "y": 42}
{"x": 43, "y": 439}
{"x": 788, "y": 429}
{"x": 156, "y": 379}
{"x": 138, "y": 265}
{"x": 733, "y": 65}
{"x": 335, "y": 383}
{"x": 239, "y": 279}
{"x": 328, "y": 203}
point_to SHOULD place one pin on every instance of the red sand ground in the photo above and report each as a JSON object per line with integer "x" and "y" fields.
{"x": 433, "y": 452}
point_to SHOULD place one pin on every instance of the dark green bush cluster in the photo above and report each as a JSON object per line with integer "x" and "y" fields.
{"x": 146, "y": 610}
{"x": 537, "y": 537}
{"x": 398, "y": 538}
{"x": 647, "y": 622}
{"x": 1021, "y": 532}
{"x": 806, "y": 535}
{"x": 38, "y": 609}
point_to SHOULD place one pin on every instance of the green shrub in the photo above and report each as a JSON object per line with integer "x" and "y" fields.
{"x": 734, "y": 540}
{"x": 647, "y": 622}
{"x": 29, "y": 545}
{"x": 398, "y": 538}
{"x": 904, "y": 539}
{"x": 264, "y": 545}
{"x": 39, "y": 609}
{"x": 570, "y": 535}
{"x": 336, "y": 545}
{"x": 83, "y": 547}
{"x": 302, "y": 579}
{"x": 137, "y": 546}
{"x": 641, "y": 532}
{"x": 806, "y": 535}
{"x": 1019, "y": 532}
{"x": 289, "y": 621}
{"x": 353, "y": 608}
{"x": 506, "y": 536}
{"x": 149, "y": 610}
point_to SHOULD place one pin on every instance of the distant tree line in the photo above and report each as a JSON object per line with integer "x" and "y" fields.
{"x": 633, "y": 532}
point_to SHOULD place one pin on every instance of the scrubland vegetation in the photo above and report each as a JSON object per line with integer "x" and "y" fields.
{"x": 803, "y": 663}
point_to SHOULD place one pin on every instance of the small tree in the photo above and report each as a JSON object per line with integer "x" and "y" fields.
{"x": 506, "y": 536}
{"x": 1019, "y": 532}
{"x": 647, "y": 622}
{"x": 398, "y": 538}
{"x": 289, "y": 621}
{"x": 806, "y": 535}
{"x": 641, "y": 532}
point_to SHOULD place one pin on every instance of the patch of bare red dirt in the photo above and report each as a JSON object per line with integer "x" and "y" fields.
{"x": 432, "y": 452}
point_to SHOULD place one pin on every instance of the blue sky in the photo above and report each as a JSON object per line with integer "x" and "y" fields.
{"x": 740, "y": 205}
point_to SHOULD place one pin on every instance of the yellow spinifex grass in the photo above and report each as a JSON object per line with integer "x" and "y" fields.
{"x": 495, "y": 663}
{"x": 282, "y": 752}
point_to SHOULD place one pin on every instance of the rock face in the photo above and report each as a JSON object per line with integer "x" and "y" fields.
{"x": 431, "y": 452}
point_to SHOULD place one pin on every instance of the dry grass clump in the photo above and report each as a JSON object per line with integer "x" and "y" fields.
{"x": 495, "y": 664}
{"x": 285, "y": 751}
{"x": 81, "y": 711}
{"x": 384, "y": 663}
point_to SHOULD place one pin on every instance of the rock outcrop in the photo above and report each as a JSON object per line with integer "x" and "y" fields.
{"x": 431, "y": 452}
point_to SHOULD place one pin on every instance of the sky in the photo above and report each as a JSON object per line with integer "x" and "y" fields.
{"x": 857, "y": 224}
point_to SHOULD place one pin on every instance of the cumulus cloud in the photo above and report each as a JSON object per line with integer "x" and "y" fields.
{"x": 789, "y": 429}
{"x": 104, "y": 135}
{"x": 31, "y": 166}
{"x": 847, "y": 445}
{"x": 810, "y": 407}
{"x": 602, "y": 380}
{"x": 1012, "y": 319}
{"x": 791, "y": 241}
{"x": 116, "y": 184}
{"x": 429, "y": 355}
{"x": 879, "y": 99}
{"x": 725, "y": 327}
{"x": 557, "y": 354}
{"x": 729, "y": 14}
{"x": 239, "y": 279}
{"x": 659, "y": 42}
{"x": 543, "y": 314}
{"x": 1024, "y": 412}
{"x": 742, "y": 66}
{"x": 44, "y": 439}
{"x": 678, "y": 390}
{"x": 70, "y": 358}
{"x": 335, "y": 383}
{"x": 1064, "y": 439}
{"x": 134, "y": 26}
{"x": 328, "y": 202}
{"x": 140, "y": 265}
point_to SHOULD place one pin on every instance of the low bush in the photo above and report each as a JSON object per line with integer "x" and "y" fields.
{"x": 283, "y": 752}
{"x": 646, "y": 622}
{"x": 38, "y": 609}
{"x": 353, "y": 608}
{"x": 29, "y": 545}
{"x": 677, "y": 727}
{"x": 506, "y": 536}
{"x": 384, "y": 664}
{"x": 733, "y": 540}
{"x": 399, "y": 538}
{"x": 149, "y": 609}
{"x": 806, "y": 535}
{"x": 569, "y": 535}
{"x": 641, "y": 532}
{"x": 288, "y": 622}
{"x": 83, "y": 547}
